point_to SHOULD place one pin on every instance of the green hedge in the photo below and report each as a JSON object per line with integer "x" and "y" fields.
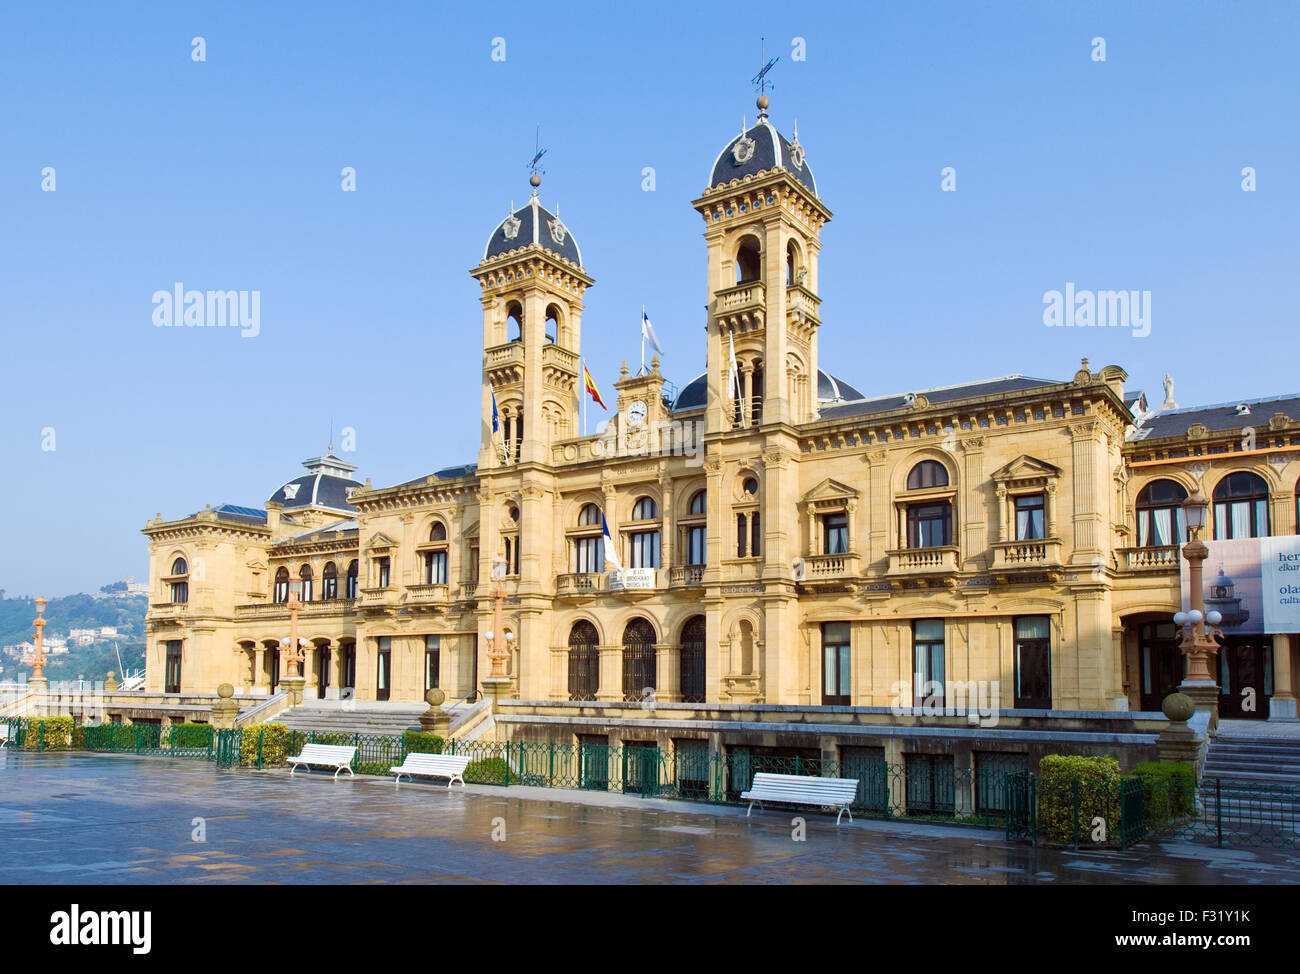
{"x": 275, "y": 745}
{"x": 1169, "y": 790}
{"x": 487, "y": 771}
{"x": 420, "y": 742}
{"x": 48, "y": 734}
{"x": 79, "y": 738}
{"x": 188, "y": 735}
{"x": 1098, "y": 795}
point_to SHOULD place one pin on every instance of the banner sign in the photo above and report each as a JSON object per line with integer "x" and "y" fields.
{"x": 1253, "y": 582}
{"x": 631, "y": 578}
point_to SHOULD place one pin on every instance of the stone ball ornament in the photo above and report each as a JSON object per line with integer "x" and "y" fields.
{"x": 435, "y": 697}
{"x": 1178, "y": 707}
{"x": 225, "y": 691}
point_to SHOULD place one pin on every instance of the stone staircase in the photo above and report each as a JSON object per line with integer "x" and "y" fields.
{"x": 1261, "y": 760}
{"x": 331, "y": 717}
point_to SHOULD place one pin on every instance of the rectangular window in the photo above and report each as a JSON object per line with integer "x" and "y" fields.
{"x": 931, "y": 783}
{"x": 383, "y": 569}
{"x": 643, "y": 549}
{"x": 432, "y": 648}
{"x": 695, "y": 545}
{"x": 352, "y": 582}
{"x": 836, "y": 657}
{"x": 1241, "y": 519}
{"x": 929, "y": 525}
{"x": 384, "y": 671}
{"x": 329, "y": 588}
{"x": 172, "y": 679}
{"x": 512, "y": 556}
{"x": 927, "y": 663}
{"x": 1030, "y": 518}
{"x": 742, "y": 536}
{"x": 350, "y": 665}
{"x": 835, "y": 534}
{"x": 589, "y": 555}
{"x": 755, "y": 536}
{"x": 1033, "y": 662}
{"x": 435, "y": 568}
{"x": 180, "y": 592}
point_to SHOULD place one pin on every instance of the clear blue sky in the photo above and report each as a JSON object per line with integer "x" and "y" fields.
{"x": 226, "y": 175}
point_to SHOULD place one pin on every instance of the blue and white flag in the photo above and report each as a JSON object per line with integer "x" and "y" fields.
{"x": 611, "y": 552}
{"x": 496, "y": 423}
{"x": 648, "y": 333}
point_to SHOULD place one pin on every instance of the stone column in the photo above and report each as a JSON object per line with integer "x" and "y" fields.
{"x": 668, "y": 672}
{"x": 1282, "y": 706}
{"x": 611, "y": 673}
{"x": 260, "y": 684}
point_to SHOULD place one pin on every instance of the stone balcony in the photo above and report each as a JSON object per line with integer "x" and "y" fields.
{"x": 831, "y": 570}
{"x": 511, "y": 353}
{"x": 688, "y": 576}
{"x": 377, "y": 598}
{"x": 426, "y": 594}
{"x": 306, "y": 610}
{"x": 562, "y": 358}
{"x": 745, "y": 304}
{"x": 1042, "y": 554}
{"x": 934, "y": 564}
{"x": 579, "y": 585}
{"x": 169, "y": 612}
{"x": 1153, "y": 558}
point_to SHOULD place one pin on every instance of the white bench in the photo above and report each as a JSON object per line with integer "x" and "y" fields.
{"x": 449, "y": 766}
{"x": 797, "y": 789}
{"x": 336, "y": 756}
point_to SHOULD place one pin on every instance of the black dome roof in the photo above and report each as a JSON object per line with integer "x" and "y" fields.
{"x": 325, "y": 484}
{"x": 830, "y": 391}
{"x": 532, "y": 223}
{"x": 759, "y": 148}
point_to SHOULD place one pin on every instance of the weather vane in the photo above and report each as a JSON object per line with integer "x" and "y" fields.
{"x": 760, "y": 82}
{"x": 536, "y": 164}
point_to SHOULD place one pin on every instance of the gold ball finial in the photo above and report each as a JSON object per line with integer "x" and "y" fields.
{"x": 763, "y": 103}
{"x": 535, "y": 180}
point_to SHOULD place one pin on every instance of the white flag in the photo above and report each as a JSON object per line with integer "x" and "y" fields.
{"x": 610, "y": 549}
{"x": 648, "y": 333}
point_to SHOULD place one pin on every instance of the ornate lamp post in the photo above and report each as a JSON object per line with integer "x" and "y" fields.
{"x": 293, "y": 655}
{"x": 38, "y": 653}
{"x": 498, "y": 684}
{"x": 1199, "y": 645}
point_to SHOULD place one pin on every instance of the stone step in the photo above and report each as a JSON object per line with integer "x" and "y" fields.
{"x": 1253, "y": 760}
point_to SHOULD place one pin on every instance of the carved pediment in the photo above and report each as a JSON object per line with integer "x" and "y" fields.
{"x": 1026, "y": 468}
{"x": 471, "y": 532}
{"x": 829, "y": 491}
{"x": 379, "y": 541}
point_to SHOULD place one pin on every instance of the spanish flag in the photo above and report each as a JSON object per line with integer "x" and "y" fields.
{"x": 592, "y": 391}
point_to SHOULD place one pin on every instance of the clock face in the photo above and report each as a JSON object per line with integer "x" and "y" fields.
{"x": 636, "y": 413}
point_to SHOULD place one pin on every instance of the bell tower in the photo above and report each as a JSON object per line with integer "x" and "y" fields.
{"x": 762, "y": 226}
{"x": 532, "y": 283}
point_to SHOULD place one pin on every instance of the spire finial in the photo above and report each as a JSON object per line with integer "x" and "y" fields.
{"x": 760, "y": 80}
{"x": 535, "y": 164}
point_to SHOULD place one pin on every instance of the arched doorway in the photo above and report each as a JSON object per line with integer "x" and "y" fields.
{"x": 638, "y": 659}
{"x": 323, "y": 655}
{"x": 692, "y": 663}
{"x": 584, "y": 661}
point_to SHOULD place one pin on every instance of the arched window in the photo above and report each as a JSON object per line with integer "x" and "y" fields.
{"x": 693, "y": 527}
{"x": 435, "y": 559}
{"x": 514, "y": 322}
{"x": 304, "y": 576}
{"x": 927, "y": 473}
{"x": 281, "y": 591}
{"x": 693, "y": 660}
{"x": 1241, "y": 506}
{"x": 791, "y": 262}
{"x": 584, "y": 661}
{"x": 180, "y": 587}
{"x": 645, "y": 509}
{"x": 643, "y": 543}
{"x": 638, "y": 659}
{"x": 552, "y": 324}
{"x": 588, "y": 542}
{"x": 329, "y": 584}
{"x": 1160, "y": 514}
{"x": 749, "y": 261}
{"x": 351, "y": 590}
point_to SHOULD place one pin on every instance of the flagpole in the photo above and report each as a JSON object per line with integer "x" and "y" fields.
{"x": 643, "y": 339}
{"x": 583, "y": 394}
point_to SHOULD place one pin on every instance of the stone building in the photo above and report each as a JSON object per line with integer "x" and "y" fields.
{"x": 791, "y": 544}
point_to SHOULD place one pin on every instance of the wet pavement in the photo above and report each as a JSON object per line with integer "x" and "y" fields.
{"x": 120, "y": 819}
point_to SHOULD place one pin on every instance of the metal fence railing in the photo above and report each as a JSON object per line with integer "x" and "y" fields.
{"x": 1001, "y": 794}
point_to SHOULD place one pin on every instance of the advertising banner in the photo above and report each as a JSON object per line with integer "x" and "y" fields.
{"x": 1253, "y": 582}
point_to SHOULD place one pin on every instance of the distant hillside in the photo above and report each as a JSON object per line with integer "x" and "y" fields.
{"x": 79, "y": 611}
